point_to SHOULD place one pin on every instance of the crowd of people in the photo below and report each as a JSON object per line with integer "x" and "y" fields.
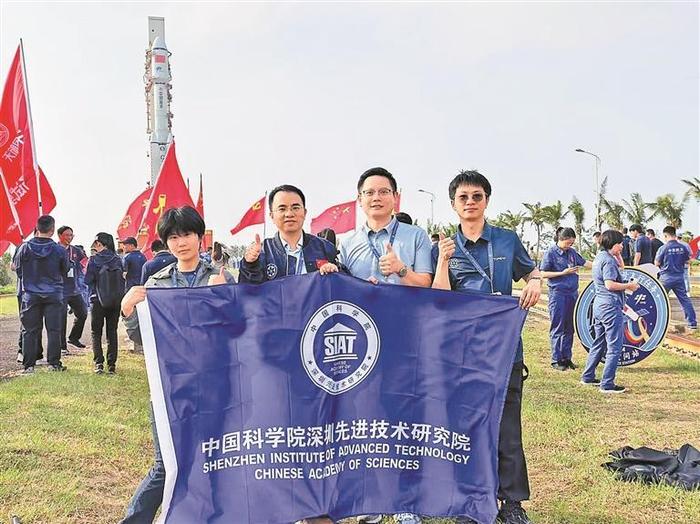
{"x": 386, "y": 249}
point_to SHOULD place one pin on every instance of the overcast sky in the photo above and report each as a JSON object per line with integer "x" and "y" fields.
{"x": 313, "y": 94}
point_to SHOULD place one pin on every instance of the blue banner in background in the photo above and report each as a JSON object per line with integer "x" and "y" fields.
{"x": 326, "y": 395}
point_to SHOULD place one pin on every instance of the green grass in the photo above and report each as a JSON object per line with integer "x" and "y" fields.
{"x": 8, "y": 305}
{"x": 75, "y": 445}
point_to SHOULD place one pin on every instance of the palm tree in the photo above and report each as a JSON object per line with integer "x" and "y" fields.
{"x": 667, "y": 207}
{"x": 579, "y": 213}
{"x": 612, "y": 214}
{"x": 554, "y": 214}
{"x": 509, "y": 220}
{"x": 536, "y": 216}
{"x": 693, "y": 188}
{"x": 635, "y": 210}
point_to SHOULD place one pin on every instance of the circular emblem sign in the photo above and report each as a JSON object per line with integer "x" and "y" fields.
{"x": 645, "y": 316}
{"x": 339, "y": 347}
{"x": 271, "y": 271}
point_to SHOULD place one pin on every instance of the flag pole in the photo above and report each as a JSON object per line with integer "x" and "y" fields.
{"x": 31, "y": 128}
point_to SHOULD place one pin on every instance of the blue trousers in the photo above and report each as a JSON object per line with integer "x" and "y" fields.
{"x": 149, "y": 495}
{"x": 609, "y": 328}
{"x": 561, "y": 330}
{"x": 678, "y": 288}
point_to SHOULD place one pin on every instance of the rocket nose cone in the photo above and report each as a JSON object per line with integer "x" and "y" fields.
{"x": 159, "y": 43}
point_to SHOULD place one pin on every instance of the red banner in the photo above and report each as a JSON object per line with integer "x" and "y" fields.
{"x": 169, "y": 191}
{"x": 17, "y": 165}
{"x": 200, "y": 199}
{"x": 340, "y": 218}
{"x": 254, "y": 215}
{"x": 129, "y": 225}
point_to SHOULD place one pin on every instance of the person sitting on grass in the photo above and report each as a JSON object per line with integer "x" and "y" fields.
{"x": 182, "y": 230}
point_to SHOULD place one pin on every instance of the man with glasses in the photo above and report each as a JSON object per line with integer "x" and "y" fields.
{"x": 486, "y": 259}
{"x": 387, "y": 251}
{"x": 290, "y": 251}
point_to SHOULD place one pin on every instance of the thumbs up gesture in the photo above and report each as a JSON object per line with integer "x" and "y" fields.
{"x": 253, "y": 251}
{"x": 215, "y": 280}
{"x": 446, "y": 247}
{"x": 390, "y": 263}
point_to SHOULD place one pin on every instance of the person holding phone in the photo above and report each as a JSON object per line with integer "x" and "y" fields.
{"x": 560, "y": 266}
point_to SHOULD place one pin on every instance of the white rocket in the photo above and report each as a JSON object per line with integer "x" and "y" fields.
{"x": 158, "y": 79}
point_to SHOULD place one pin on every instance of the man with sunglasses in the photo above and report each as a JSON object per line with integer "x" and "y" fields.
{"x": 387, "y": 251}
{"x": 290, "y": 251}
{"x": 487, "y": 259}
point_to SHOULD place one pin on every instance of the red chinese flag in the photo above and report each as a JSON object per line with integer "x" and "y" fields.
{"x": 340, "y": 218}
{"x": 200, "y": 199}
{"x": 169, "y": 191}
{"x": 3, "y": 247}
{"x": 254, "y": 215}
{"x": 129, "y": 225}
{"x": 17, "y": 164}
{"x": 48, "y": 199}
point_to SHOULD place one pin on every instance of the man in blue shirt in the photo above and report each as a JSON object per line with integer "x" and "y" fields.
{"x": 384, "y": 249}
{"x": 133, "y": 263}
{"x": 290, "y": 251}
{"x": 41, "y": 264}
{"x": 72, "y": 291}
{"x": 642, "y": 246}
{"x": 560, "y": 266}
{"x": 655, "y": 243}
{"x": 161, "y": 258}
{"x": 487, "y": 259}
{"x": 671, "y": 259}
{"x": 626, "y": 247}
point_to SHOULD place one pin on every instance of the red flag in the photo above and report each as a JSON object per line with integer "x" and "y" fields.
{"x": 48, "y": 199}
{"x": 254, "y": 215}
{"x": 340, "y": 218}
{"x": 3, "y": 247}
{"x": 169, "y": 191}
{"x": 200, "y": 199}
{"x": 129, "y": 225}
{"x": 17, "y": 164}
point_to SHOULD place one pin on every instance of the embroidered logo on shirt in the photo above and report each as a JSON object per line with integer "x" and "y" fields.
{"x": 271, "y": 271}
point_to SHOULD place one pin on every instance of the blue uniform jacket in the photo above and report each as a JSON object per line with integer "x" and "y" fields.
{"x": 104, "y": 257}
{"x": 557, "y": 259}
{"x": 41, "y": 265}
{"x": 672, "y": 258}
{"x": 158, "y": 262}
{"x": 273, "y": 262}
{"x": 133, "y": 263}
{"x": 72, "y": 282}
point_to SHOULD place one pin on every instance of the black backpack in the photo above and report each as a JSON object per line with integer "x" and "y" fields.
{"x": 110, "y": 286}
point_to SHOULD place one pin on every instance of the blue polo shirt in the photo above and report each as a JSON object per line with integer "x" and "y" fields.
{"x": 605, "y": 268}
{"x": 558, "y": 259}
{"x": 672, "y": 258}
{"x": 510, "y": 263}
{"x": 411, "y": 245}
{"x": 133, "y": 263}
{"x": 643, "y": 245}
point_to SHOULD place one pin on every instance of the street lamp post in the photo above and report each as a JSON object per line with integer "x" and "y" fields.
{"x": 432, "y": 202}
{"x": 597, "y": 186}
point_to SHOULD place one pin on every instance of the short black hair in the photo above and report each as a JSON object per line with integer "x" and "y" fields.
{"x": 327, "y": 234}
{"x": 287, "y": 188}
{"x": 180, "y": 220}
{"x": 105, "y": 239}
{"x": 596, "y": 234}
{"x": 670, "y": 230}
{"x": 157, "y": 245}
{"x": 651, "y": 232}
{"x": 624, "y": 230}
{"x": 565, "y": 233}
{"x": 61, "y": 229}
{"x": 404, "y": 217}
{"x": 435, "y": 236}
{"x": 637, "y": 228}
{"x": 377, "y": 171}
{"x": 610, "y": 238}
{"x": 470, "y": 178}
{"x": 45, "y": 224}
{"x": 131, "y": 241}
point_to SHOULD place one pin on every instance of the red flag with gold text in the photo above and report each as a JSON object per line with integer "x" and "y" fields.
{"x": 129, "y": 225}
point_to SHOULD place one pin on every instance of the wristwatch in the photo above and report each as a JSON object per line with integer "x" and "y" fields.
{"x": 402, "y": 272}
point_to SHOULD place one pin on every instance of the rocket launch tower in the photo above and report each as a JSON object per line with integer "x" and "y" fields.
{"x": 157, "y": 79}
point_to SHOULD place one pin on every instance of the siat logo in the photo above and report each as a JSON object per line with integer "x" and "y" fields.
{"x": 645, "y": 316}
{"x": 339, "y": 347}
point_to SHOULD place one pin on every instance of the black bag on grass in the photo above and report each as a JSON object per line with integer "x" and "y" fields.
{"x": 679, "y": 468}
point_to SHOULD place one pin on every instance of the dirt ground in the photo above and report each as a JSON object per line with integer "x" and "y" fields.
{"x": 9, "y": 334}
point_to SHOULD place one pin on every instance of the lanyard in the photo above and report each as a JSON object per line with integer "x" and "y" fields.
{"x": 392, "y": 236}
{"x": 173, "y": 276}
{"x": 477, "y": 266}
